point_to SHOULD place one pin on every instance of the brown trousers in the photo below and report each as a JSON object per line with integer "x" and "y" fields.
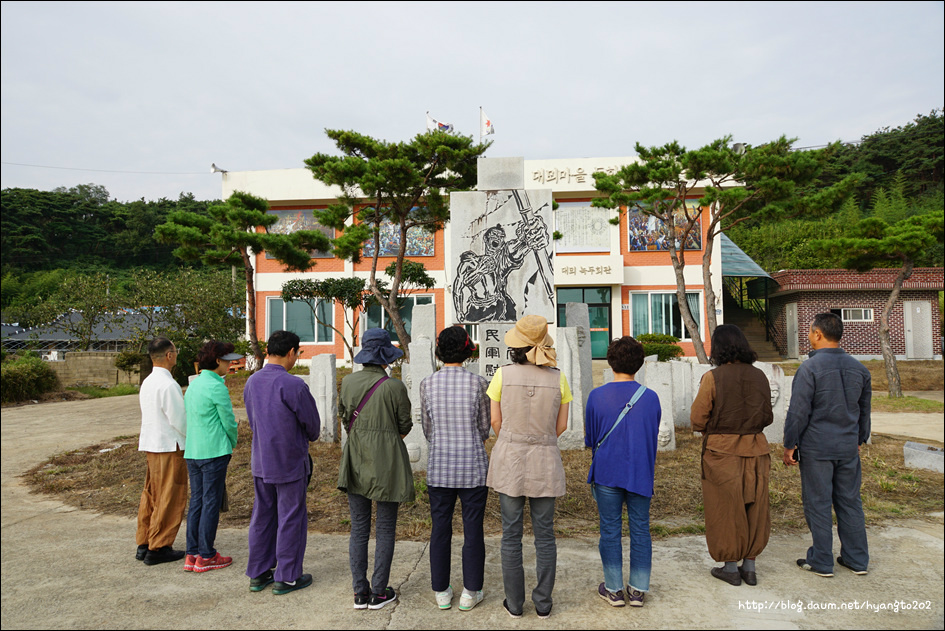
{"x": 163, "y": 499}
{"x": 735, "y": 497}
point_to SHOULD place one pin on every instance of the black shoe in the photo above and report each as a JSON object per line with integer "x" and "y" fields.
{"x": 379, "y": 601}
{"x": 260, "y": 582}
{"x": 279, "y": 587}
{"x": 167, "y": 554}
{"x": 804, "y": 565}
{"x": 362, "y": 599}
{"x": 142, "y": 552}
{"x": 732, "y": 578}
{"x": 544, "y": 615}
{"x": 750, "y": 578}
{"x": 844, "y": 564}
{"x": 505, "y": 604}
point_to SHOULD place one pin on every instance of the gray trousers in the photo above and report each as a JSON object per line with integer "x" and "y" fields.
{"x": 542, "y": 510}
{"x": 385, "y": 535}
{"x": 834, "y": 482}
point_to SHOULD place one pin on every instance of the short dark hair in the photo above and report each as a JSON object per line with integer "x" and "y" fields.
{"x": 453, "y": 345}
{"x": 520, "y": 355}
{"x": 829, "y": 324}
{"x": 159, "y": 347}
{"x": 211, "y": 352}
{"x": 625, "y": 355}
{"x": 281, "y": 342}
{"x": 730, "y": 345}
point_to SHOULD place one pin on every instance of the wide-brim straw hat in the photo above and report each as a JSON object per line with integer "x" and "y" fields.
{"x": 532, "y": 330}
{"x": 376, "y": 348}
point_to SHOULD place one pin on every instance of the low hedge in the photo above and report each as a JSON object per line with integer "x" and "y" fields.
{"x": 665, "y": 347}
{"x": 26, "y": 377}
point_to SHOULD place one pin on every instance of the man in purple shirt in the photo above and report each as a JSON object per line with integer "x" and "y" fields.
{"x": 284, "y": 419}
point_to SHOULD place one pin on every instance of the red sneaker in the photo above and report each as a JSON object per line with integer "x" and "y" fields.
{"x": 216, "y": 563}
{"x": 189, "y": 563}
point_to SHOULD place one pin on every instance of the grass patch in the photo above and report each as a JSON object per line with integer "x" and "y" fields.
{"x": 914, "y": 375}
{"x": 906, "y": 404}
{"x": 97, "y": 392}
{"x": 108, "y": 478}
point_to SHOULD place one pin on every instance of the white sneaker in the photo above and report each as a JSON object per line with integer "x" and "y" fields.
{"x": 469, "y": 599}
{"x": 444, "y": 599}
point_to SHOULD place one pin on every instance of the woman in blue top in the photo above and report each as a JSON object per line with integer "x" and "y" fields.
{"x": 622, "y": 470}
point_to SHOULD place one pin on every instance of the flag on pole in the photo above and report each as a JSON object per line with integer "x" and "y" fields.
{"x": 435, "y": 125}
{"x": 485, "y": 124}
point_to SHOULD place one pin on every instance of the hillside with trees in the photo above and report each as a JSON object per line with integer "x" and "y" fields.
{"x": 900, "y": 176}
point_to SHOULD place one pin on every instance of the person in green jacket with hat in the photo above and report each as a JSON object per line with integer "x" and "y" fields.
{"x": 375, "y": 466}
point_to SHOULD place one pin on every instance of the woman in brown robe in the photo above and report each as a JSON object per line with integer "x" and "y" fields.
{"x": 731, "y": 410}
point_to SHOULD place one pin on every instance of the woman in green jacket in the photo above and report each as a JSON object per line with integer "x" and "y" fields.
{"x": 375, "y": 466}
{"x": 211, "y": 436}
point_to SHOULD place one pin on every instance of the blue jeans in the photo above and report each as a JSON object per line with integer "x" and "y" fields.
{"x": 207, "y": 485}
{"x": 610, "y": 503}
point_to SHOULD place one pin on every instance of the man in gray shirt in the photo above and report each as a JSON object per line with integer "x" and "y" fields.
{"x": 827, "y": 421}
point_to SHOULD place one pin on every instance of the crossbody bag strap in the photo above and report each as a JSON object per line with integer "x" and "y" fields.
{"x": 364, "y": 400}
{"x": 636, "y": 397}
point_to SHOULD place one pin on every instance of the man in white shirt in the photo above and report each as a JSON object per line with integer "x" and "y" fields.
{"x": 163, "y": 432}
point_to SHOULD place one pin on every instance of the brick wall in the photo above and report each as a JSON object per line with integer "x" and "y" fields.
{"x": 92, "y": 369}
{"x": 859, "y": 338}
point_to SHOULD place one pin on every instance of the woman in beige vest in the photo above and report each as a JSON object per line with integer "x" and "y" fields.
{"x": 530, "y": 400}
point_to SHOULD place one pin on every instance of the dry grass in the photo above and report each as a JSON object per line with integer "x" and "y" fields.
{"x": 914, "y": 375}
{"x": 111, "y": 481}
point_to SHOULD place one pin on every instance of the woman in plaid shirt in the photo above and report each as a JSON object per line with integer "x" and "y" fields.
{"x": 456, "y": 421}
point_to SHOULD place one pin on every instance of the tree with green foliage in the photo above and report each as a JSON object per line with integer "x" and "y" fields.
{"x": 738, "y": 183}
{"x": 408, "y": 185}
{"x": 229, "y": 236}
{"x": 348, "y": 292}
{"x": 874, "y": 243}
{"x": 351, "y": 293}
{"x": 82, "y": 303}
{"x": 914, "y": 151}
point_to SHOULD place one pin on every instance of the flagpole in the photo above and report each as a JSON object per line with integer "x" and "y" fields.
{"x": 480, "y": 124}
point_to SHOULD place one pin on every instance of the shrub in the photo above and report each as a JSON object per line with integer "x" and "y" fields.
{"x": 129, "y": 361}
{"x": 26, "y": 378}
{"x": 665, "y": 347}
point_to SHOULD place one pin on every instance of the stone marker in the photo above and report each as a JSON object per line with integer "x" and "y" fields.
{"x": 568, "y": 354}
{"x": 422, "y": 364}
{"x": 919, "y": 456}
{"x": 322, "y": 383}
{"x": 576, "y": 315}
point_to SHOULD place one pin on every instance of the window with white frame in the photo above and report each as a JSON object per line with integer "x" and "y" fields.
{"x": 298, "y": 316}
{"x": 378, "y": 319}
{"x": 854, "y": 314}
{"x": 658, "y": 312}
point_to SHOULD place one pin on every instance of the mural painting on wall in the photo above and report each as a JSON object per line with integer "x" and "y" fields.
{"x": 300, "y": 219}
{"x": 504, "y": 268}
{"x": 419, "y": 241}
{"x": 647, "y": 233}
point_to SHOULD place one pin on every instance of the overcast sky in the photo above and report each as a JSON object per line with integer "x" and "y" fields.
{"x": 142, "y": 97}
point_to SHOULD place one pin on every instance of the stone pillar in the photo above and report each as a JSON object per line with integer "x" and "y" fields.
{"x": 423, "y": 323}
{"x": 493, "y": 352}
{"x": 569, "y": 362}
{"x": 576, "y": 315}
{"x": 780, "y": 397}
{"x": 659, "y": 378}
{"x": 322, "y": 380}
{"x": 422, "y": 364}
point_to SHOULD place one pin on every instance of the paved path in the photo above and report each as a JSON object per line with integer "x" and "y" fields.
{"x": 63, "y": 567}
